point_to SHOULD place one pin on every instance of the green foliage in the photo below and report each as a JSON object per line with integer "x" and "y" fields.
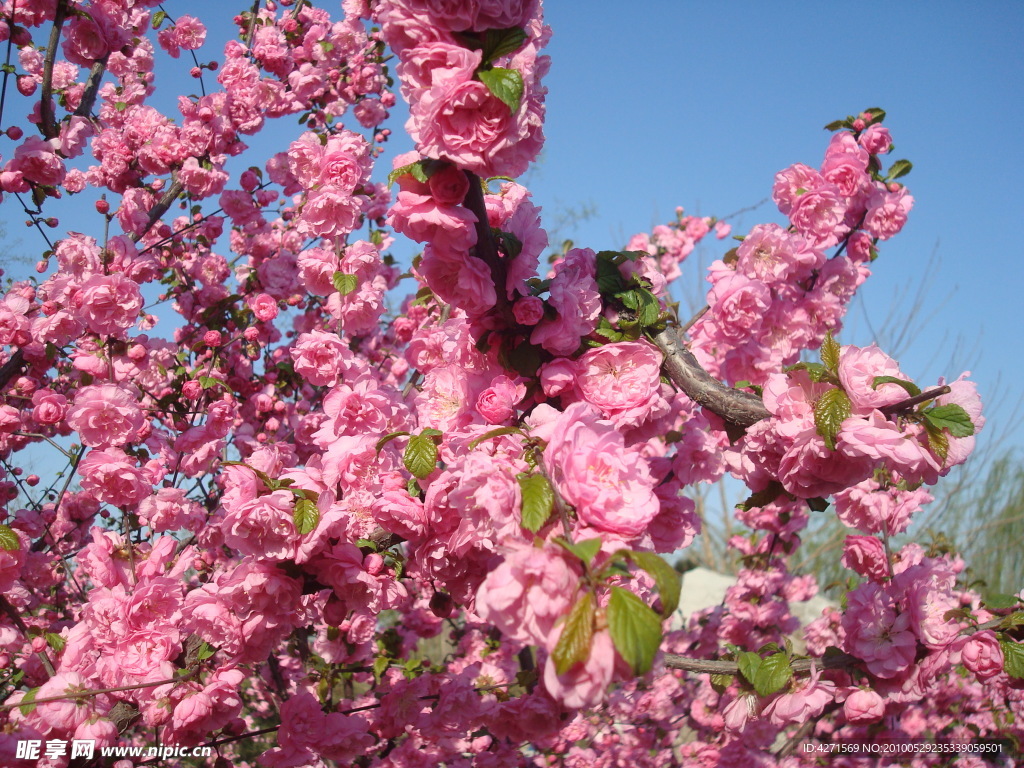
{"x": 538, "y": 501}
{"x": 635, "y": 629}
{"x": 573, "y": 645}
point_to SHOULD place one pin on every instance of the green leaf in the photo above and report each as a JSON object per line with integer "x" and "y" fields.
{"x": 208, "y": 382}
{"x": 388, "y": 438}
{"x": 762, "y": 498}
{"x": 55, "y": 641}
{"x": 205, "y": 652}
{"x": 938, "y": 440}
{"x": 9, "y": 539}
{"x": 305, "y": 516}
{"x": 412, "y": 169}
{"x": 538, "y": 501}
{"x": 158, "y": 19}
{"x": 420, "y": 456}
{"x": 815, "y": 371}
{"x": 952, "y": 417}
{"x": 830, "y": 411}
{"x": 749, "y": 663}
{"x": 344, "y": 284}
{"x": 665, "y": 577}
{"x": 500, "y": 42}
{"x": 635, "y": 629}
{"x": 380, "y": 666}
{"x": 574, "y": 644}
{"x": 121, "y": 106}
{"x": 830, "y": 351}
{"x": 835, "y": 125}
{"x": 772, "y": 674}
{"x": 495, "y": 433}
{"x": 1000, "y": 602}
{"x": 1015, "y": 619}
{"x": 1013, "y": 658}
{"x": 585, "y": 550}
{"x": 899, "y": 169}
{"x": 650, "y": 309}
{"x": 27, "y": 705}
{"x": 912, "y": 389}
{"x": 877, "y": 114}
{"x": 506, "y": 84}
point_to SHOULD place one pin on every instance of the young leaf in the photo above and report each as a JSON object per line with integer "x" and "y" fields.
{"x": 938, "y": 440}
{"x": 952, "y": 417}
{"x": 388, "y": 438}
{"x": 344, "y": 284}
{"x": 635, "y": 629}
{"x": 912, "y": 389}
{"x": 749, "y": 663}
{"x": 305, "y": 516}
{"x": 830, "y": 411}
{"x": 665, "y": 577}
{"x": 772, "y": 673}
{"x": 538, "y": 501}
{"x": 899, "y": 169}
{"x": 649, "y": 310}
{"x": 585, "y": 550}
{"x": 9, "y": 539}
{"x": 420, "y": 456}
{"x": 830, "y": 351}
{"x": 574, "y": 644}
{"x": 506, "y": 84}
{"x": 1013, "y": 658}
{"x": 499, "y": 42}
{"x": 1000, "y": 602}
{"x": 413, "y": 169}
{"x": 27, "y": 705}
{"x": 495, "y": 433}
{"x": 55, "y": 641}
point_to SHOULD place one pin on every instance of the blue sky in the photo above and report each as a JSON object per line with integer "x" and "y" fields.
{"x": 698, "y": 105}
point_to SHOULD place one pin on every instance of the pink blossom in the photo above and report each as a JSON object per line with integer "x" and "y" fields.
{"x": 576, "y": 300}
{"x": 864, "y": 706}
{"x": 610, "y": 485}
{"x": 887, "y": 212}
{"x": 528, "y": 593}
{"x": 48, "y": 407}
{"x": 106, "y": 415}
{"x": 108, "y": 475}
{"x": 497, "y": 403}
{"x": 858, "y": 369}
{"x": 876, "y": 633}
{"x": 264, "y": 307}
{"x": 108, "y": 304}
{"x": 584, "y": 685}
{"x": 806, "y": 701}
{"x": 876, "y": 139}
{"x": 866, "y": 556}
{"x": 982, "y": 655}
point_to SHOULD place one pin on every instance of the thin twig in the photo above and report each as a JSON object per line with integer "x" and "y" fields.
{"x": 158, "y": 210}
{"x": 92, "y": 86}
{"x": 910, "y": 402}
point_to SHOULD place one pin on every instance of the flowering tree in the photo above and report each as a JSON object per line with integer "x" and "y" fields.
{"x": 265, "y": 511}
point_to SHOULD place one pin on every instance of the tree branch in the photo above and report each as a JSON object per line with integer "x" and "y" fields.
{"x": 158, "y": 210}
{"x": 712, "y": 667}
{"x": 47, "y": 126}
{"x": 12, "y": 367}
{"x": 92, "y": 87}
{"x": 910, "y": 402}
{"x": 740, "y": 409}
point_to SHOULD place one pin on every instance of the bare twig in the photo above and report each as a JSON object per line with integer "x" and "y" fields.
{"x": 910, "y": 402}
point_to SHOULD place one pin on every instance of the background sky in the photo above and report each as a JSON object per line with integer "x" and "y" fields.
{"x": 689, "y": 104}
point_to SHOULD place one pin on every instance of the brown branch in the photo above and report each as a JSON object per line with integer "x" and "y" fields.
{"x": 714, "y": 667}
{"x": 47, "y": 126}
{"x": 486, "y": 249}
{"x": 12, "y": 367}
{"x": 737, "y": 408}
{"x": 97, "y": 691}
{"x": 12, "y": 614}
{"x": 92, "y": 87}
{"x": 158, "y": 210}
{"x": 910, "y": 402}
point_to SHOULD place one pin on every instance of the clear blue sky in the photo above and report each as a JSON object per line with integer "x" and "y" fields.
{"x": 699, "y": 105}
